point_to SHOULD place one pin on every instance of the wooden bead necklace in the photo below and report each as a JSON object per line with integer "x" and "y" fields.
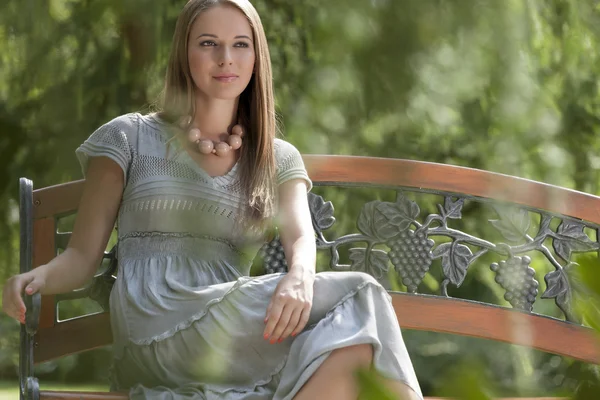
{"x": 221, "y": 149}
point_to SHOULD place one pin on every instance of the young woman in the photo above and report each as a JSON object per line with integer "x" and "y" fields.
{"x": 194, "y": 189}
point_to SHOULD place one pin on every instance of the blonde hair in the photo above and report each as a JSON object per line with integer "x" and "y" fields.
{"x": 256, "y": 108}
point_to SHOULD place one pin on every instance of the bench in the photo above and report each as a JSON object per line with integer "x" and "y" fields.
{"x": 397, "y": 237}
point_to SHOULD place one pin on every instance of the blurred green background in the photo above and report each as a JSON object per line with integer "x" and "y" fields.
{"x": 509, "y": 86}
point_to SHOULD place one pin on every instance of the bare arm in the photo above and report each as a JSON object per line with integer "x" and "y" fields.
{"x": 94, "y": 222}
{"x": 291, "y": 303}
{"x": 295, "y": 228}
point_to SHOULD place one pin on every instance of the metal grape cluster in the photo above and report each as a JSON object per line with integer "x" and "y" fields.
{"x": 410, "y": 253}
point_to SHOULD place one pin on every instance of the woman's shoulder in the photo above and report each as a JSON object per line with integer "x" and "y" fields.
{"x": 115, "y": 139}
{"x": 129, "y": 122}
{"x": 285, "y": 150}
{"x": 134, "y": 124}
{"x": 290, "y": 164}
{"x": 122, "y": 127}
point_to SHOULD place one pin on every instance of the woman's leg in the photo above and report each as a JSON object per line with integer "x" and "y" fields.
{"x": 402, "y": 390}
{"x": 336, "y": 377}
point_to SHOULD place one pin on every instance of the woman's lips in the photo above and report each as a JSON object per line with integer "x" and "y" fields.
{"x": 226, "y": 78}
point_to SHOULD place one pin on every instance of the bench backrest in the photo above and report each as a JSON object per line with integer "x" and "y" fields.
{"x": 531, "y": 217}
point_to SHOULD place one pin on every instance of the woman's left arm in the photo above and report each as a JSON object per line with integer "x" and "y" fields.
{"x": 290, "y": 305}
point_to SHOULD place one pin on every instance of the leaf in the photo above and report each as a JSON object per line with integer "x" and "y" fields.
{"x": 378, "y": 262}
{"x": 455, "y": 263}
{"x": 441, "y": 250}
{"x": 453, "y": 209}
{"x": 566, "y": 286}
{"x": 559, "y": 288}
{"x": 395, "y": 217}
{"x": 399, "y": 216}
{"x": 572, "y": 238}
{"x": 384, "y": 220}
{"x": 407, "y": 207}
{"x": 545, "y": 223}
{"x": 513, "y": 223}
{"x": 557, "y": 284}
{"x": 357, "y": 256}
{"x": 386, "y": 231}
{"x": 365, "y": 219}
{"x": 321, "y": 211}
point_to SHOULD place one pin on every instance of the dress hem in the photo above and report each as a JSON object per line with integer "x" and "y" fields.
{"x": 265, "y": 381}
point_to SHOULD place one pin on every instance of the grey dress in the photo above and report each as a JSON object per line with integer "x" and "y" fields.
{"x": 187, "y": 319}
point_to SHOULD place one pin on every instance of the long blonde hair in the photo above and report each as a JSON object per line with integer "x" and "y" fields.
{"x": 256, "y": 108}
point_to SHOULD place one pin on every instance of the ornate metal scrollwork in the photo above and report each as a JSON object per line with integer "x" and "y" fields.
{"x": 411, "y": 250}
{"x": 103, "y": 283}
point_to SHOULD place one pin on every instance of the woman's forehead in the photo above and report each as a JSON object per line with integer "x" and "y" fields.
{"x": 223, "y": 21}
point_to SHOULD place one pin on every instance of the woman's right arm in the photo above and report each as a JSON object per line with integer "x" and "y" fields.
{"x": 94, "y": 223}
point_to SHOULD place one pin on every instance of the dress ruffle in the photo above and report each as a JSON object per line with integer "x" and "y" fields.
{"x": 188, "y": 322}
{"x": 349, "y": 309}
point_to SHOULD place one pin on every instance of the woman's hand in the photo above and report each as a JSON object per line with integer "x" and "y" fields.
{"x": 290, "y": 306}
{"x": 12, "y": 301}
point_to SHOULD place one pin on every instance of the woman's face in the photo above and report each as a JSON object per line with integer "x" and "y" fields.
{"x": 221, "y": 52}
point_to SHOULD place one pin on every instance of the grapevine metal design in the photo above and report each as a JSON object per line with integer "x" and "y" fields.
{"x": 411, "y": 250}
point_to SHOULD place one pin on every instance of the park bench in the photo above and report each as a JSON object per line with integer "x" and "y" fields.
{"x": 395, "y": 234}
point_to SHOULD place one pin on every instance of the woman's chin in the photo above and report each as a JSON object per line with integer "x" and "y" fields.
{"x": 227, "y": 94}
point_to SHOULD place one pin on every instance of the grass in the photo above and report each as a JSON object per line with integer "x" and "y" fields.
{"x": 10, "y": 390}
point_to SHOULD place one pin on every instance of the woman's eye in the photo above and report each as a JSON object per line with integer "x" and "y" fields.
{"x": 208, "y": 43}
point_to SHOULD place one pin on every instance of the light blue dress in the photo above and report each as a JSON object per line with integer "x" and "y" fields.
{"x": 187, "y": 319}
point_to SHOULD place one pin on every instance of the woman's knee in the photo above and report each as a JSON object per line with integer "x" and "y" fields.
{"x": 348, "y": 279}
{"x": 360, "y": 278}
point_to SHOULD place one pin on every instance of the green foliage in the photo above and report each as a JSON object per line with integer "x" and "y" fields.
{"x": 371, "y": 387}
{"x": 587, "y": 280}
{"x": 508, "y": 86}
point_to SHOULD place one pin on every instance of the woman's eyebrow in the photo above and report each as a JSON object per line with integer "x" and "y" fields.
{"x": 215, "y": 36}
{"x": 206, "y": 34}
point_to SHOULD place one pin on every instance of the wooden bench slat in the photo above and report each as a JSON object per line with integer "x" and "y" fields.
{"x": 486, "y": 321}
{"x": 57, "y": 199}
{"x": 61, "y": 395}
{"x": 73, "y": 336}
{"x": 368, "y": 171}
{"x": 420, "y": 312}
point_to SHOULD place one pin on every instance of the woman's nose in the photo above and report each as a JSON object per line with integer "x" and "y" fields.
{"x": 225, "y": 57}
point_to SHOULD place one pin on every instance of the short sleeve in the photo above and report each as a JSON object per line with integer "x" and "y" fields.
{"x": 114, "y": 140}
{"x": 290, "y": 164}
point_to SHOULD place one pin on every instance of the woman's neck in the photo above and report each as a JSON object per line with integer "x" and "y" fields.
{"x": 214, "y": 117}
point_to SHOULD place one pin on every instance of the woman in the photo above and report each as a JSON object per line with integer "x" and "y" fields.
{"x": 194, "y": 189}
